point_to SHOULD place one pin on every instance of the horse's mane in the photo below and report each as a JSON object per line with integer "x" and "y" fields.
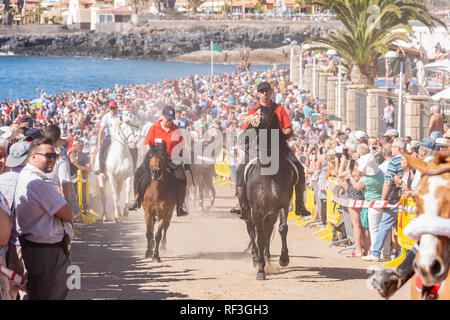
{"x": 442, "y": 157}
{"x": 269, "y": 121}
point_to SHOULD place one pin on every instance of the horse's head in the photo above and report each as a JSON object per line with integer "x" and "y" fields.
{"x": 432, "y": 227}
{"x": 126, "y": 134}
{"x": 158, "y": 160}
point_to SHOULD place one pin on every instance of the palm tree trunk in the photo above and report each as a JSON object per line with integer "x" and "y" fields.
{"x": 359, "y": 76}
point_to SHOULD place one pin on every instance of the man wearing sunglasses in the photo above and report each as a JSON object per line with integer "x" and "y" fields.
{"x": 104, "y": 134}
{"x": 44, "y": 228}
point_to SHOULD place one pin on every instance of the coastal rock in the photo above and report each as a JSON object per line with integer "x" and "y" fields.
{"x": 162, "y": 42}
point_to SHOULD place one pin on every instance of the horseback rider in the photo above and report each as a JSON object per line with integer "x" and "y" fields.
{"x": 161, "y": 132}
{"x": 106, "y": 125}
{"x": 265, "y": 101}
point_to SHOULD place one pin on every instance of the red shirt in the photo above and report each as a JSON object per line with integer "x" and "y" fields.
{"x": 156, "y": 135}
{"x": 282, "y": 116}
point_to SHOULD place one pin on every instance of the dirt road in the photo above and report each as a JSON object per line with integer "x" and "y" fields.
{"x": 205, "y": 259}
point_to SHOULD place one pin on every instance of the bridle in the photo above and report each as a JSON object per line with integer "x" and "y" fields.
{"x": 122, "y": 134}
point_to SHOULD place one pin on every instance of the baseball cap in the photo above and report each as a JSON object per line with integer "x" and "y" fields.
{"x": 33, "y": 133}
{"x": 168, "y": 113}
{"x": 263, "y": 86}
{"x": 112, "y": 104}
{"x": 18, "y": 153}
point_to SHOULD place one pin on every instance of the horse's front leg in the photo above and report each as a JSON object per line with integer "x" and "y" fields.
{"x": 115, "y": 193}
{"x": 128, "y": 187}
{"x": 252, "y": 234}
{"x": 150, "y": 223}
{"x": 212, "y": 190}
{"x": 261, "y": 239}
{"x": 158, "y": 237}
{"x": 283, "y": 229}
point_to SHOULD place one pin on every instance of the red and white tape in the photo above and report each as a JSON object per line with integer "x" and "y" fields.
{"x": 11, "y": 275}
{"x": 376, "y": 204}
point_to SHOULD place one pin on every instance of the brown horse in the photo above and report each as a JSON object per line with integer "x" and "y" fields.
{"x": 431, "y": 228}
{"x": 159, "y": 201}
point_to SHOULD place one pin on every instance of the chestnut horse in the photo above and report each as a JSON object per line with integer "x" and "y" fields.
{"x": 159, "y": 201}
{"x": 431, "y": 228}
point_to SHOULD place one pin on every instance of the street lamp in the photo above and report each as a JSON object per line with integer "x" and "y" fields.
{"x": 393, "y": 55}
{"x": 333, "y": 53}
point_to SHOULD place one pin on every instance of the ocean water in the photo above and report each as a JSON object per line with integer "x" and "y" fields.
{"x": 20, "y": 76}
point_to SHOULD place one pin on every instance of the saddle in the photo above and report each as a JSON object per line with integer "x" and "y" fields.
{"x": 294, "y": 171}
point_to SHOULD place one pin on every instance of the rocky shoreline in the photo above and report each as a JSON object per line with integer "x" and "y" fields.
{"x": 177, "y": 42}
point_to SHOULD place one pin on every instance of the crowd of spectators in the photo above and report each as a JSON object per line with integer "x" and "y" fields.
{"x": 62, "y": 129}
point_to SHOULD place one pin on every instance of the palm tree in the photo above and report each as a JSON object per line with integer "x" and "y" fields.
{"x": 370, "y": 26}
{"x": 259, "y": 6}
{"x": 195, "y": 4}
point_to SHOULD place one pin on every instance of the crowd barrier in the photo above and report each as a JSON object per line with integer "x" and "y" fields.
{"x": 335, "y": 205}
{"x": 86, "y": 214}
{"x": 223, "y": 172}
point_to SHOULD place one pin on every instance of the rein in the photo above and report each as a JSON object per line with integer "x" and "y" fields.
{"x": 122, "y": 134}
{"x": 437, "y": 172}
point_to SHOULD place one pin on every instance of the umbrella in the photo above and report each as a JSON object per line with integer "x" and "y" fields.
{"x": 439, "y": 66}
{"x": 444, "y": 94}
{"x": 39, "y": 100}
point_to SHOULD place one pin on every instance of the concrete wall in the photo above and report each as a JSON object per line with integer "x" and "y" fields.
{"x": 33, "y": 29}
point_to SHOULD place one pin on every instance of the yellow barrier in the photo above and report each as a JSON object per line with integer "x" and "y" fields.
{"x": 85, "y": 218}
{"x": 223, "y": 172}
{"x": 406, "y": 243}
{"x": 333, "y": 216}
{"x": 309, "y": 204}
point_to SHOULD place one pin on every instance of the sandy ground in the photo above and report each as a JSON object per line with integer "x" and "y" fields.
{"x": 205, "y": 260}
{"x": 279, "y": 55}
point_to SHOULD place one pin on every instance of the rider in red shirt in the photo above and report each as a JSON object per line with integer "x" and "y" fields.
{"x": 265, "y": 101}
{"x": 162, "y": 131}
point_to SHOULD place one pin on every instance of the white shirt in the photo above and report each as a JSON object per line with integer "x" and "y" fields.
{"x": 37, "y": 199}
{"x": 108, "y": 122}
{"x": 61, "y": 171}
{"x": 145, "y": 129}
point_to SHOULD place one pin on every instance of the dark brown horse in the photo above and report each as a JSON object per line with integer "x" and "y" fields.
{"x": 159, "y": 201}
{"x": 268, "y": 195}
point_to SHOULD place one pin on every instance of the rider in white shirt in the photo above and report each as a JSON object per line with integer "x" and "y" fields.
{"x": 104, "y": 134}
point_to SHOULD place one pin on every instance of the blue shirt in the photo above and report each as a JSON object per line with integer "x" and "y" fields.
{"x": 307, "y": 111}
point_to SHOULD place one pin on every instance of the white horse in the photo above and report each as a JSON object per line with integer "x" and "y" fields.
{"x": 118, "y": 168}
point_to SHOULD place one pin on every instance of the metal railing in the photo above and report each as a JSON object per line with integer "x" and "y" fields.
{"x": 425, "y": 115}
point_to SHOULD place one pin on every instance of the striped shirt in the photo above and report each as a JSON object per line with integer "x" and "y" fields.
{"x": 394, "y": 167}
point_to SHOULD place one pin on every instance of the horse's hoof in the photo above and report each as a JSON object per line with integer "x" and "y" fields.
{"x": 149, "y": 254}
{"x": 284, "y": 261}
{"x": 211, "y": 202}
{"x": 156, "y": 259}
{"x": 261, "y": 275}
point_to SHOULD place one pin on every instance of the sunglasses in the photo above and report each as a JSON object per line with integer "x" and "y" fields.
{"x": 49, "y": 156}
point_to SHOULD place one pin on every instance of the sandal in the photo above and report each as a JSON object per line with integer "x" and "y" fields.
{"x": 353, "y": 255}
